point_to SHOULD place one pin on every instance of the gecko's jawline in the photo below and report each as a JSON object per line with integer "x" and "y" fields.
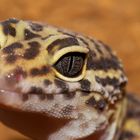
{"x": 9, "y": 98}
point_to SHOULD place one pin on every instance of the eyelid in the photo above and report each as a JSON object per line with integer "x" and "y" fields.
{"x": 63, "y": 51}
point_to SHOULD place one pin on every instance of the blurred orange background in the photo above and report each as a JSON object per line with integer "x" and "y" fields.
{"x": 115, "y": 22}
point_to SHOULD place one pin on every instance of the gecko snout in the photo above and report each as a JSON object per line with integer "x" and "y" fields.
{"x": 15, "y": 76}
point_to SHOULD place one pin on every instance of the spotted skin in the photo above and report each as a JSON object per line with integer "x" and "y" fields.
{"x": 94, "y": 97}
{"x": 131, "y": 126}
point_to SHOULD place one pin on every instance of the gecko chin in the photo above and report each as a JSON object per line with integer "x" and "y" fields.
{"x": 12, "y": 97}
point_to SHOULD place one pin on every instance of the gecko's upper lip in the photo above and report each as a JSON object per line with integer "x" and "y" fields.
{"x": 8, "y": 95}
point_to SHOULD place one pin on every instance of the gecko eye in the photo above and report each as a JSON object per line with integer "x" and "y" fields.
{"x": 70, "y": 64}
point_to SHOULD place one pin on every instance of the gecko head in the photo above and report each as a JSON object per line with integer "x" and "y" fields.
{"x": 41, "y": 67}
{"x": 36, "y": 65}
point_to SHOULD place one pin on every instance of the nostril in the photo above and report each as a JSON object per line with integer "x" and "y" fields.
{"x": 18, "y": 77}
{"x": 15, "y": 76}
{"x": 11, "y": 79}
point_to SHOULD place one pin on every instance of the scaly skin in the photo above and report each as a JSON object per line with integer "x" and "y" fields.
{"x": 64, "y": 75}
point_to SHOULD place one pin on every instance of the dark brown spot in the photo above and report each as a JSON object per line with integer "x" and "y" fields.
{"x": 33, "y": 51}
{"x": 91, "y": 102}
{"x": 30, "y": 35}
{"x": 50, "y": 96}
{"x": 126, "y": 135}
{"x": 91, "y": 56}
{"x": 42, "y": 96}
{"x": 36, "y": 90}
{"x": 42, "y": 71}
{"x": 90, "y": 60}
{"x": 67, "y": 110}
{"x": 108, "y": 81}
{"x": 101, "y": 104}
{"x": 12, "y": 20}
{"x": 84, "y": 41}
{"x": 85, "y": 93}
{"x": 98, "y": 47}
{"x": 69, "y": 95}
{"x": 34, "y": 44}
{"x": 47, "y": 82}
{"x": 133, "y": 113}
{"x": 62, "y": 85}
{"x": 106, "y": 47}
{"x": 85, "y": 85}
{"x": 123, "y": 84}
{"x": 36, "y": 27}
{"x": 11, "y": 58}
{"x": 103, "y": 63}
{"x": 65, "y": 42}
{"x": 10, "y": 48}
{"x": 8, "y": 29}
{"x": 25, "y": 97}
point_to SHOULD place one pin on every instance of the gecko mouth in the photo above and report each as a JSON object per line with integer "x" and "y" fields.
{"x": 9, "y": 98}
{"x": 22, "y": 102}
{"x": 12, "y": 97}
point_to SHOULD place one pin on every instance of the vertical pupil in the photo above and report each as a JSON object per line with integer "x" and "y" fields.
{"x": 70, "y": 64}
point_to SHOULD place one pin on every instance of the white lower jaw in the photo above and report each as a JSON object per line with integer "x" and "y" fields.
{"x": 10, "y": 98}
